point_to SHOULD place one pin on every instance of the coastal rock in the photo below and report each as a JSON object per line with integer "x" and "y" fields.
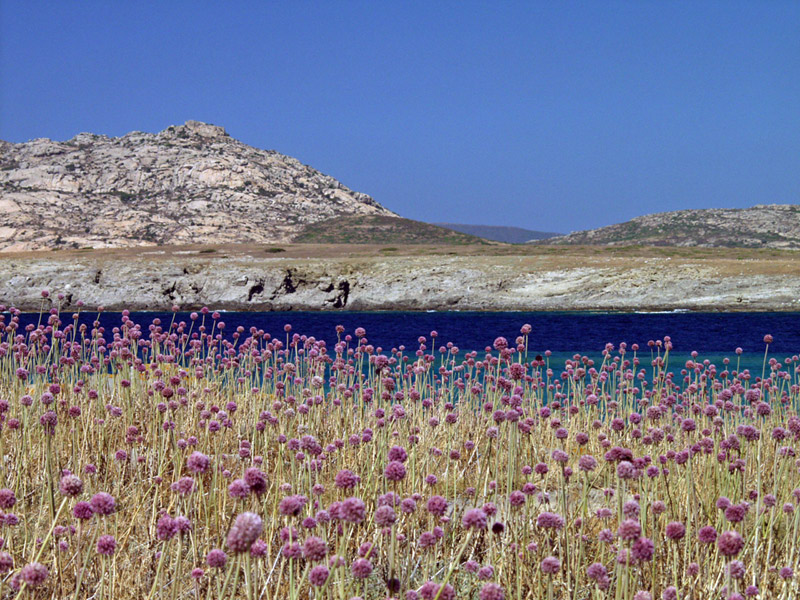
{"x": 154, "y": 280}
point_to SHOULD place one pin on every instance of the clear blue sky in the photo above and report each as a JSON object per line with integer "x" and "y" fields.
{"x": 547, "y": 115}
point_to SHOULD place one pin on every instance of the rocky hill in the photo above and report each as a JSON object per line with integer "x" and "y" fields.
{"x": 190, "y": 183}
{"x": 762, "y": 226}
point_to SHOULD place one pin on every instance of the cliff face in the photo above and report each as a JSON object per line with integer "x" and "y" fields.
{"x": 155, "y": 280}
{"x": 190, "y": 183}
{"x": 762, "y": 226}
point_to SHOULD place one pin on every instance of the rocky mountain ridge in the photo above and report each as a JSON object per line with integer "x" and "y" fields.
{"x": 761, "y": 226}
{"x": 190, "y": 183}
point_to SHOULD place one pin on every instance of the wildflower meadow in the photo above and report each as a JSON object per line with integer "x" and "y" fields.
{"x": 178, "y": 459}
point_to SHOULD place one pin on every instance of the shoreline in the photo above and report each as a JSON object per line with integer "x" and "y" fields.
{"x": 324, "y": 279}
{"x": 31, "y": 310}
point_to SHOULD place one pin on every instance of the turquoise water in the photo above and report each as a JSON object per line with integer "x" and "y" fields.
{"x": 714, "y": 335}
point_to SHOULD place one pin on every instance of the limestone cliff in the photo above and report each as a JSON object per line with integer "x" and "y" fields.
{"x": 157, "y": 279}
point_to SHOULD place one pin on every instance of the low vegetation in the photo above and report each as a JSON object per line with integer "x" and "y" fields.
{"x": 181, "y": 460}
{"x": 379, "y": 229}
{"x": 762, "y": 226}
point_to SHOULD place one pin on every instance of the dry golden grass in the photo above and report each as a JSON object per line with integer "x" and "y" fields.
{"x": 731, "y": 260}
{"x": 489, "y": 428}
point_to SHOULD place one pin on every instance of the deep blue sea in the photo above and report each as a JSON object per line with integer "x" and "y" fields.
{"x": 713, "y": 335}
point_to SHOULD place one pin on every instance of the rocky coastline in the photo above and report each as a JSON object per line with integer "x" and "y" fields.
{"x": 149, "y": 281}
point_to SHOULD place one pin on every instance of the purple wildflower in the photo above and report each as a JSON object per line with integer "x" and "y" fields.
{"x": 353, "y": 510}
{"x": 730, "y": 543}
{"x": 551, "y": 565}
{"x": 216, "y": 558}
{"x": 361, "y": 568}
{"x": 103, "y": 504}
{"x": 34, "y": 574}
{"x": 244, "y": 531}
{"x": 70, "y": 485}
{"x": 106, "y": 545}
{"x": 318, "y": 575}
{"x": 474, "y": 518}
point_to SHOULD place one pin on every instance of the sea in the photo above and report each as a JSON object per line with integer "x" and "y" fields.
{"x": 714, "y": 335}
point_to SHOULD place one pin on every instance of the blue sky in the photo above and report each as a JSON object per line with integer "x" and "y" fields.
{"x": 548, "y": 115}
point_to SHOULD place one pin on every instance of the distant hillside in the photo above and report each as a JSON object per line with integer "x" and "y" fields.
{"x": 189, "y": 184}
{"x": 762, "y": 226}
{"x": 379, "y": 229}
{"x": 509, "y": 235}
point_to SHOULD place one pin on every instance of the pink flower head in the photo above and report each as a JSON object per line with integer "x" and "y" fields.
{"x": 216, "y": 558}
{"x": 184, "y": 486}
{"x": 353, "y": 510}
{"x": 474, "y": 518}
{"x": 626, "y": 470}
{"x": 259, "y": 548}
{"x": 318, "y": 575}
{"x": 82, "y": 511}
{"x": 6, "y": 562}
{"x": 437, "y": 506}
{"x": 256, "y": 480}
{"x": 34, "y": 574}
{"x": 629, "y": 529}
{"x": 7, "y": 499}
{"x": 244, "y": 531}
{"x": 735, "y": 513}
{"x": 197, "y": 462}
{"x": 315, "y": 549}
{"x": 346, "y": 479}
{"x": 106, "y": 545}
{"x": 596, "y": 571}
{"x": 70, "y": 485}
{"x": 385, "y": 516}
{"x": 707, "y": 535}
{"x": 103, "y": 503}
{"x": 642, "y": 549}
{"x": 397, "y": 453}
{"x": 551, "y": 565}
{"x": 166, "y": 528}
{"x": 730, "y": 543}
{"x": 492, "y": 591}
{"x": 238, "y": 489}
{"x": 49, "y": 420}
{"x": 486, "y": 572}
{"x": 431, "y": 590}
{"x": 427, "y": 540}
{"x": 395, "y": 471}
{"x": 736, "y": 569}
{"x": 292, "y": 505}
{"x": 516, "y": 499}
{"x": 675, "y": 530}
{"x": 361, "y": 568}
{"x": 550, "y": 520}
{"x": 182, "y": 524}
